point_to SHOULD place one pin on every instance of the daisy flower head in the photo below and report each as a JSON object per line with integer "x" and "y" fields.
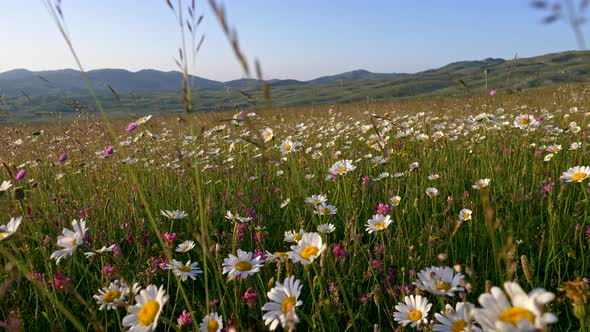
{"x": 143, "y": 316}
{"x": 184, "y": 271}
{"x": 143, "y": 120}
{"x": 518, "y": 311}
{"x": 465, "y": 214}
{"x": 110, "y": 297}
{"x": 432, "y": 192}
{"x": 100, "y": 251}
{"x": 175, "y": 214}
{"x": 440, "y": 281}
{"x": 576, "y": 174}
{"x": 309, "y": 248}
{"x": 414, "y": 165}
{"x": 548, "y": 157}
{"x": 284, "y": 299}
{"x": 395, "y": 200}
{"x": 316, "y": 155}
{"x": 525, "y": 121}
{"x": 267, "y": 134}
{"x": 9, "y": 229}
{"x": 294, "y": 236}
{"x": 457, "y": 319}
{"x": 326, "y": 228}
{"x": 554, "y": 148}
{"x": 316, "y": 199}
{"x": 325, "y": 209}
{"x": 481, "y": 183}
{"x": 413, "y": 312}
{"x": 286, "y": 147}
{"x": 5, "y": 186}
{"x": 185, "y": 246}
{"x": 70, "y": 240}
{"x": 342, "y": 167}
{"x": 379, "y": 222}
{"x": 243, "y": 265}
{"x": 211, "y": 323}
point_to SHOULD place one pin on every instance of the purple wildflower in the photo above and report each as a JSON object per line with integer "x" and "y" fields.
{"x": 21, "y": 174}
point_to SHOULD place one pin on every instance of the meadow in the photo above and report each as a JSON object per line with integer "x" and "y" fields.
{"x": 421, "y": 214}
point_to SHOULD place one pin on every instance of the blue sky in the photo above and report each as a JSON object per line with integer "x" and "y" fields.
{"x": 300, "y": 39}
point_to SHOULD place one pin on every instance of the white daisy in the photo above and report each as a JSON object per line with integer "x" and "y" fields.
{"x": 293, "y": 236}
{"x": 326, "y": 228}
{"x": 143, "y": 316}
{"x": 184, "y": 271}
{"x": 286, "y": 147}
{"x": 432, "y": 192}
{"x": 413, "y": 312}
{"x": 548, "y": 157}
{"x": 244, "y": 265}
{"x": 175, "y": 214}
{"x": 100, "y": 251}
{"x": 525, "y": 121}
{"x": 185, "y": 246}
{"x": 395, "y": 200}
{"x": 5, "y": 186}
{"x": 284, "y": 299}
{"x": 211, "y": 323}
{"x": 325, "y": 209}
{"x": 440, "y": 281}
{"x": 110, "y": 297}
{"x": 70, "y": 240}
{"x": 455, "y": 320}
{"x": 576, "y": 174}
{"x": 316, "y": 199}
{"x": 517, "y": 312}
{"x": 379, "y": 222}
{"x": 481, "y": 183}
{"x": 342, "y": 167}
{"x": 465, "y": 214}
{"x": 9, "y": 229}
{"x": 309, "y": 248}
{"x": 267, "y": 134}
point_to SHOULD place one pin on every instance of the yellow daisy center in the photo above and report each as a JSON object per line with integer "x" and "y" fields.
{"x": 380, "y": 225}
{"x": 3, "y": 235}
{"x": 74, "y": 242}
{"x": 243, "y": 266}
{"x": 268, "y": 133}
{"x": 287, "y": 304}
{"x": 525, "y": 121}
{"x": 316, "y": 201}
{"x": 298, "y": 236}
{"x": 466, "y": 215}
{"x": 514, "y": 314}
{"x": 442, "y": 286}
{"x": 309, "y": 251}
{"x": 325, "y": 210}
{"x": 184, "y": 268}
{"x": 395, "y": 201}
{"x": 148, "y": 312}
{"x": 287, "y": 148}
{"x": 579, "y": 176}
{"x": 458, "y": 326}
{"x": 342, "y": 170}
{"x": 415, "y": 315}
{"x": 212, "y": 326}
{"x": 111, "y": 296}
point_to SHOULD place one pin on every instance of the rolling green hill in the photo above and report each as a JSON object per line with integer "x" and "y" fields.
{"x": 151, "y": 91}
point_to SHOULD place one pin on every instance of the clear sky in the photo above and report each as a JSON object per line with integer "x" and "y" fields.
{"x": 300, "y": 39}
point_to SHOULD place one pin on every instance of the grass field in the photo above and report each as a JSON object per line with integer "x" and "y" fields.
{"x": 481, "y": 186}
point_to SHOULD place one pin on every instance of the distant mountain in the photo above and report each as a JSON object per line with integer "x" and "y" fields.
{"x": 152, "y": 91}
{"x": 355, "y": 75}
{"x": 541, "y": 70}
{"x": 71, "y": 82}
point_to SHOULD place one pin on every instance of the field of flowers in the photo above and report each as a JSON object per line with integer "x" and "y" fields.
{"x": 449, "y": 214}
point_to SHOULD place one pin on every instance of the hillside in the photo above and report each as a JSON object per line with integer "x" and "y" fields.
{"x": 25, "y": 96}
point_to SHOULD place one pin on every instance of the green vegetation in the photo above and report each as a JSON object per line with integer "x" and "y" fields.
{"x": 143, "y": 94}
{"x": 530, "y": 224}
